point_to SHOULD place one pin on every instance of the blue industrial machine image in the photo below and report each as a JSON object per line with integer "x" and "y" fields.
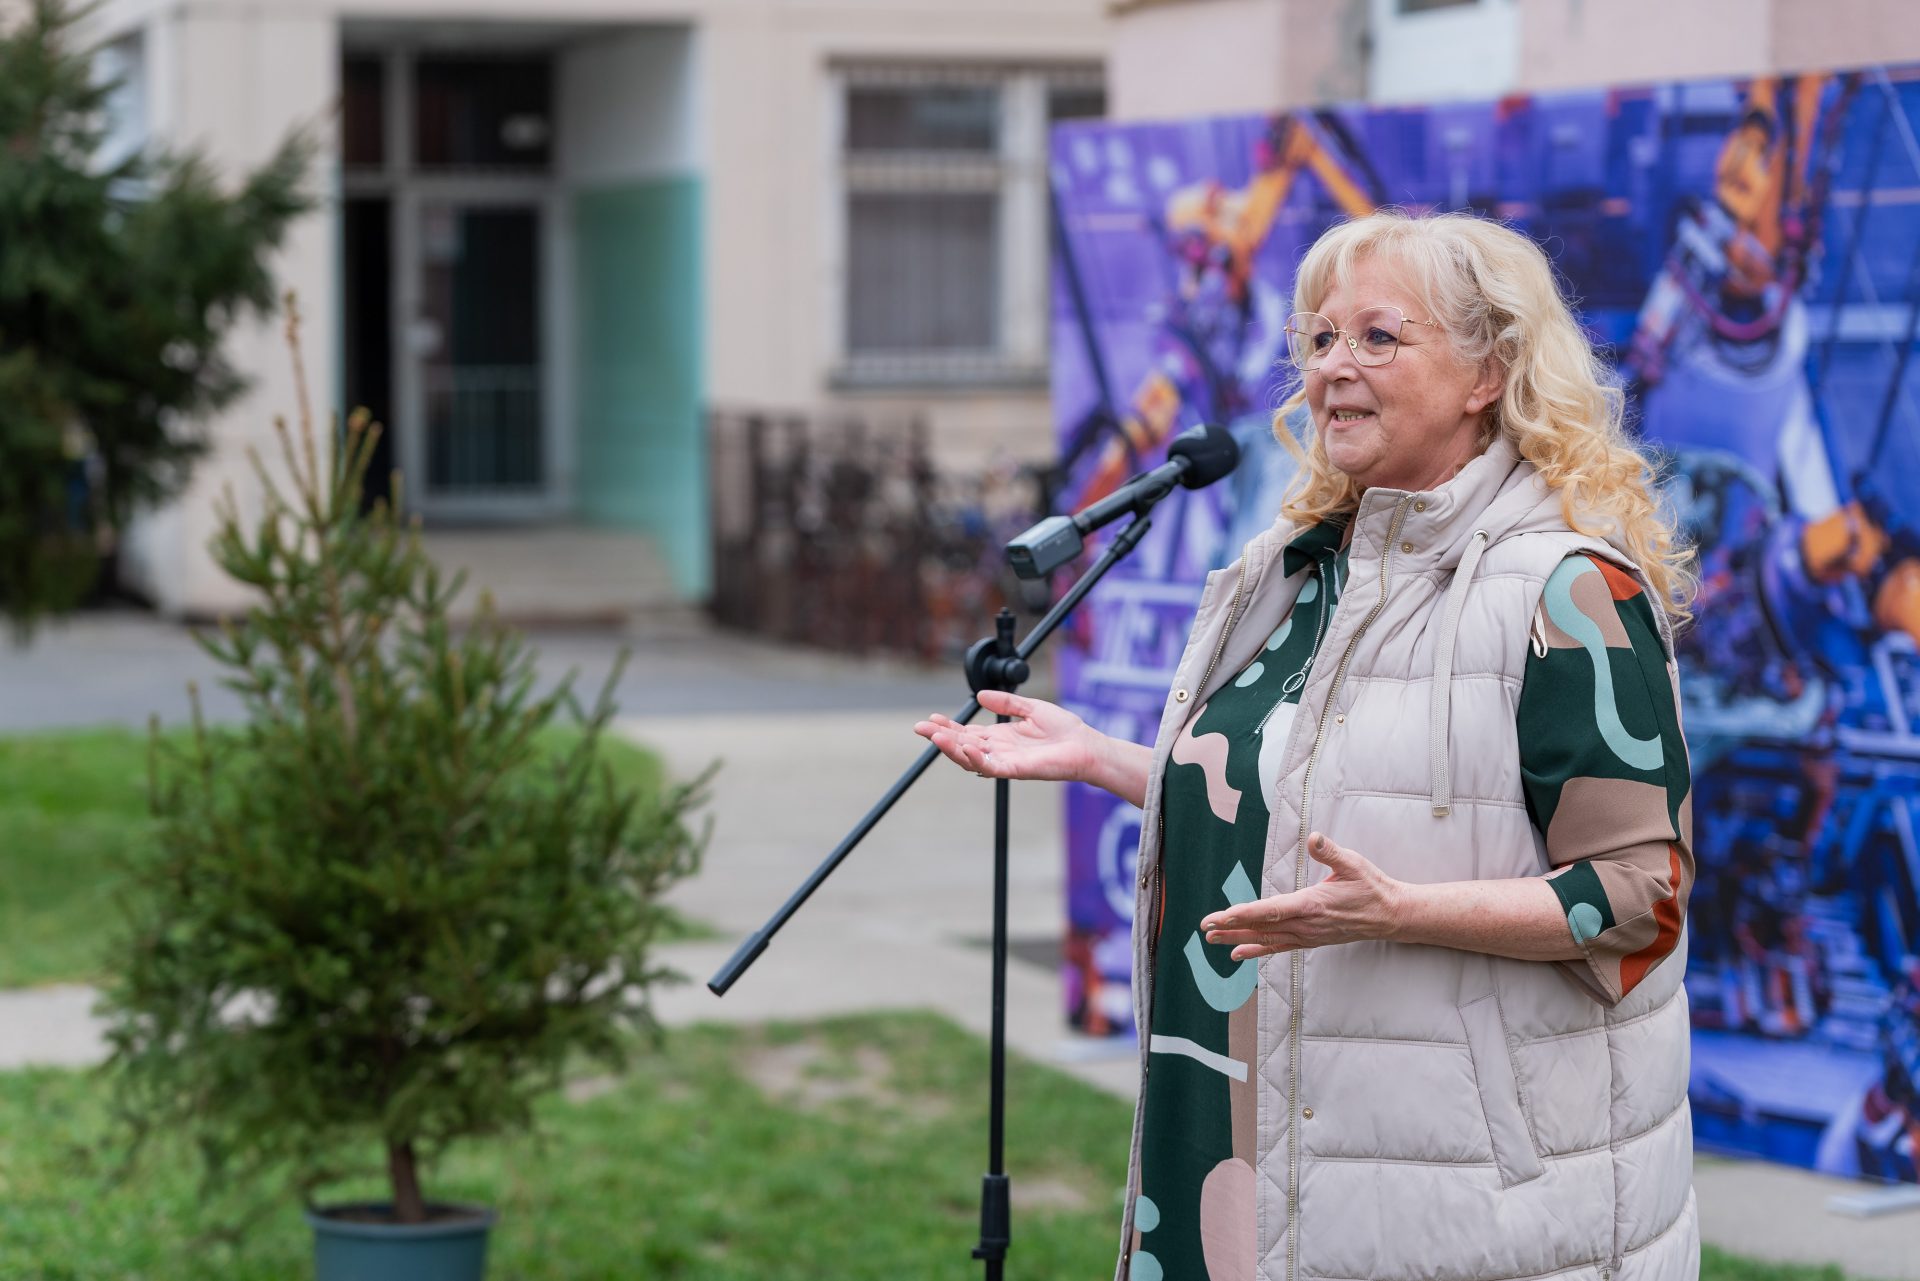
{"x": 1747, "y": 253}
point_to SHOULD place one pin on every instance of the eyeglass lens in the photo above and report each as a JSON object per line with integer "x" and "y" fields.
{"x": 1373, "y": 335}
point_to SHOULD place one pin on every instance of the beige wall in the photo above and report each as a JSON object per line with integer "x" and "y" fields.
{"x": 1175, "y": 58}
{"x": 1579, "y": 43}
{"x": 1570, "y": 44}
{"x": 277, "y": 69}
{"x": 1217, "y": 57}
{"x": 1817, "y": 34}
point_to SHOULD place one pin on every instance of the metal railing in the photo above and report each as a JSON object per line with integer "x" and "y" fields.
{"x": 484, "y": 427}
{"x": 841, "y": 533}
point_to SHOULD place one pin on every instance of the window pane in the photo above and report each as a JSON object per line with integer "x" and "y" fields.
{"x": 124, "y": 127}
{"x": 929, "y": 118}
{"x": 923, "y": 274}
{"x": 480, "y": 296}
{"x": 1075, "y": 102}
{"x": 483, "y": 113}
{"x": 363, "y": 113}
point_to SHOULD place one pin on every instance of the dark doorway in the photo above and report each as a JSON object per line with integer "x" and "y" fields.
{"x": 367, "y": 271}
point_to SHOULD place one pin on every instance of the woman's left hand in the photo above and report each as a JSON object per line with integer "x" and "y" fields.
{"x": 1356, "y": 901}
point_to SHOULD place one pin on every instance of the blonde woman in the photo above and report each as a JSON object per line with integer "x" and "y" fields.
{"x": 1411, "y": 921}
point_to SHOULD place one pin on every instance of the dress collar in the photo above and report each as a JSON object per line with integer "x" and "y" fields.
{"x": 1316, "y": 542}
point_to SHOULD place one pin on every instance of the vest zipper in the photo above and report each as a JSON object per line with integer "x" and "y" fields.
{"x": 1329, "y": 596}
{"x": 1299, "y": 878}
{"x": 1233, "y": 616}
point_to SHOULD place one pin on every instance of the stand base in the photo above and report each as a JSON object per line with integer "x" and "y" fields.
{"x": 996, "y": 1218}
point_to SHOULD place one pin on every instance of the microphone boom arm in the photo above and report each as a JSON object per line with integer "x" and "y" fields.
{"x": 756, "y": 943}
{"x": 1195, "y": 458}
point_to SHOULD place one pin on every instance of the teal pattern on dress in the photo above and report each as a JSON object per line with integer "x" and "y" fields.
{"x": 1639, "y": 753}
{"x": 1216, "y": 800}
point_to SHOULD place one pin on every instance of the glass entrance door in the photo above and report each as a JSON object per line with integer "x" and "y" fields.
{"x": 475, "y": 340}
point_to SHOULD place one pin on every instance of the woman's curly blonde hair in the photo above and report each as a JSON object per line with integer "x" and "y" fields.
{"x": 1493, "y": 292}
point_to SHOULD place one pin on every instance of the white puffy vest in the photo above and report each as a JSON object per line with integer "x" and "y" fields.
{"x": 1426, "y": 1114}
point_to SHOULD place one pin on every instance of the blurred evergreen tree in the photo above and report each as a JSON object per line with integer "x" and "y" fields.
{"x": 117, "y": 282}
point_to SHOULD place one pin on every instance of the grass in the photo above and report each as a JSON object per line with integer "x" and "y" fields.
{"x": 72, "y": 803}
{"x": 851, "y": 1149}
{"x": 1717, "y": 1265}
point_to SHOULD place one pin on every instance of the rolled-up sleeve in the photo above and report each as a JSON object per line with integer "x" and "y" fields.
{"x": 1604, "y": 767}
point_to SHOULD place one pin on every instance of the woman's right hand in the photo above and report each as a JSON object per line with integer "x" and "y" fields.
{"x": 1043, "y": 741}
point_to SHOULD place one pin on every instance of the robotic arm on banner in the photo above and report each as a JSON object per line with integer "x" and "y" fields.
{"x": 1721, "y": 364}
{"x": 1737, "y": 261}
{"x": 1213, "y": 324}
{"x": 1861, "y": 542}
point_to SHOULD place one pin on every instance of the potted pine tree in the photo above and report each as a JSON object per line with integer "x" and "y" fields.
{"x": 386, "y": 910}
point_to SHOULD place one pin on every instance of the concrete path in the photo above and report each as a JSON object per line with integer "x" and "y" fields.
{"x": 805, "y": 743}
{"x": 905, "y": 920}
{"x": 120, "y": 667}
{"x": 49, "y": 1027}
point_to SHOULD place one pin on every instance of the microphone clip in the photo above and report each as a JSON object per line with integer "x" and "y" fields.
{"x": 993, "y": 663}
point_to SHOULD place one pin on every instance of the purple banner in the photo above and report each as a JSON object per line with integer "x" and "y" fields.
{"x": 1748, "y": 253}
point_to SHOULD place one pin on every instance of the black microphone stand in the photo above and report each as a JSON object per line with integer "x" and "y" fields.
{"x": 993, "y": 663}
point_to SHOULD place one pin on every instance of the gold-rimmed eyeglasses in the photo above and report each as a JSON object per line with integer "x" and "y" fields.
{"x": 1372, "y": 335}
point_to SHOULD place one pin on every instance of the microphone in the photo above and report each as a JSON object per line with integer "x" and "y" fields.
{"x": 1195, "y": 458}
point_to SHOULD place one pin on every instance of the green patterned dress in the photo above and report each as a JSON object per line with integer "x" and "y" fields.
{"x": 1197, "y": 1148}
{"x": 1604, "y": 770}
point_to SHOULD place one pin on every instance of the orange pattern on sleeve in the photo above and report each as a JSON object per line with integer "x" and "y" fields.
{"x": 1619, "y": 582}
{"x": 1666, "y": 914}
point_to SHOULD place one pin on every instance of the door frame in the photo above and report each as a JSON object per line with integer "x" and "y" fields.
{"x": 406, "y": 191}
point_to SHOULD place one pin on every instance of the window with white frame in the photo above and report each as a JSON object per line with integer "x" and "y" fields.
{"x": 1428, "y": 51}
{"x": 124, "y": 125}
{"x": 943, "y": 218}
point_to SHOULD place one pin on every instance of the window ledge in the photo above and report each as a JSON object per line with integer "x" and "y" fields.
{"x": 932, "y": 372}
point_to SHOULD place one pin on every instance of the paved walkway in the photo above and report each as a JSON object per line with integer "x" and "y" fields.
{"x": 119, "y": 667}
{"x": 805, "y": 743}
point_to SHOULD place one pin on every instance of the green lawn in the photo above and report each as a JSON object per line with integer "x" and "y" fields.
{"x": 1718, "y": 1265}
{"x": 69, "y": 804}
{"x": 848, "y": 1149}
{"x": 851, "y": 1149}
{"x": 73, "y": 802}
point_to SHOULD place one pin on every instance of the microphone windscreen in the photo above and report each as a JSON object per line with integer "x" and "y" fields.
{"x": 1211, "y": 452}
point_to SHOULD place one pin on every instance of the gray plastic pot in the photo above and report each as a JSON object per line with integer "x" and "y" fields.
{"x": 450, "y": 1247}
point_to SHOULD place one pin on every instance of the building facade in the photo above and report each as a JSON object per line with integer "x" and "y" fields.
{"x": 553, "y": 236}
